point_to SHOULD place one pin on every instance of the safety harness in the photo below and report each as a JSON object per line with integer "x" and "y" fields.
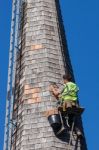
{"x": 69, "y": 92}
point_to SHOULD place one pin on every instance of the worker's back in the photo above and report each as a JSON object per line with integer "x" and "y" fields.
{"x": 69, "y": 91}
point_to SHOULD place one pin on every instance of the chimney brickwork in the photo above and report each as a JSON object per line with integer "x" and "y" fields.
{"x": 40, "y": 61}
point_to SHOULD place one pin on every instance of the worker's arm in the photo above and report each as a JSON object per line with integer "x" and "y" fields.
{"x": 55, "y": 91}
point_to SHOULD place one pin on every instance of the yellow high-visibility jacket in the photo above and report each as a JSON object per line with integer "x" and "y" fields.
{"x": 69, "y": 92}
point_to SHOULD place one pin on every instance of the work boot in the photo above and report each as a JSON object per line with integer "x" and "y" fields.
{"x": 79, "y": 134}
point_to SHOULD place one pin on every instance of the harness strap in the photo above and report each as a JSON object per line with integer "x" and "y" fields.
{"x": 68, "y": 91}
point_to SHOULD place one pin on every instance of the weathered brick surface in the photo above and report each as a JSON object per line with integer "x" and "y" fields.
{"x": 42, "y": 62}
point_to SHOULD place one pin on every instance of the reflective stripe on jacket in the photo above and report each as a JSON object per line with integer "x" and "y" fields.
{"x": 69, "y": 92}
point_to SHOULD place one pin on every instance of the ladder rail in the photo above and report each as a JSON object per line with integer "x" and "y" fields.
{"x": 14, "y": 69}
{"x": 11, "y": 73}
{"x": 6, "y": 136}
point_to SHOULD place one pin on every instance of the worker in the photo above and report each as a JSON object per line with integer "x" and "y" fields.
{"x": 66, "y": 94}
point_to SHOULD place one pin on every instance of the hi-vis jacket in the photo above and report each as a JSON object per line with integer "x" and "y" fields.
{"x": 69, "y": 92}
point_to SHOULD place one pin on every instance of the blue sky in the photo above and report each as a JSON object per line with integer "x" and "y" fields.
{"x": 81, "y": 20}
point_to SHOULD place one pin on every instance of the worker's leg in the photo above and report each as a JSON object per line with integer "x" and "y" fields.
{"x": 73, "y": 103}
{"x": 77, "y": 123}
{"x": 78, "y": 126}
{"x": 64, "y": 106}
{"x": 69, "y": 104}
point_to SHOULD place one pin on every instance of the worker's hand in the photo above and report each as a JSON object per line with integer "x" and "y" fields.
{"x": 51, "y": 88}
